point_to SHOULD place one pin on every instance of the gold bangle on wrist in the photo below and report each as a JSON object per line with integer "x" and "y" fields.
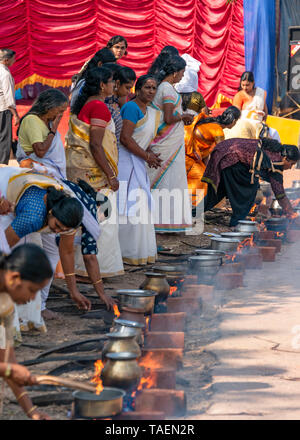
{"x": 31, "y": 410}
{"x": 7, "y": 372}
{"x": 22, "y": 395}
{"x": 97, "y": 282}
{"x": 69, "y": 274}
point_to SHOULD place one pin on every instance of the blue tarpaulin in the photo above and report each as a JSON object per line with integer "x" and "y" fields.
{"x": 260, "y": 40}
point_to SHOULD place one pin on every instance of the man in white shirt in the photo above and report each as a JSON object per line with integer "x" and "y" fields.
{"x": 7, "y": 103}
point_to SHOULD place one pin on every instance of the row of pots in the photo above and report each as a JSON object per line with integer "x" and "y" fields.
{"x": 121, "y": 370}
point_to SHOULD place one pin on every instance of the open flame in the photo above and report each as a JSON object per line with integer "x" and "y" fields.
{"x": 279, "y": 234}
{"x": 245, "y": 243}
{"x": 96, "y": 379}
{"x": 292, "y": 216}
{"x": 116, "y": 311}
{"x": 173, "y": 289}
{"x": 252, "y": 210}
{"x": 147, "y": 322}
{"x": 148, "y": 362}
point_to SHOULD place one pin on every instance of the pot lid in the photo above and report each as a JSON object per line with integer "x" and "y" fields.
{"x": 108, "y": 393}
{"x": 225, "y": 239}
{"x": 236, "y": 234}
{"x": 205, "y": 258}
{"x": 247, "y": 222}
{"x": 128, "y": 323}
{"x": 155, "y": 274}
{"x": 136, "y": 292}
{"x": 120, "y": 335}
{"x": 209, "y": 252}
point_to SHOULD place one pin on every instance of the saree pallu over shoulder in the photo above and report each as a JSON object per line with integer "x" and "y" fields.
{"x": 80, "y": 161}
{"x": 19, "y": 183}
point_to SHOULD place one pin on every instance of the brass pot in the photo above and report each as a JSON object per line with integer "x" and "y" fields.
{"x": 118, "y": 343}
{"x": 121, "y": 370}
{"x": 128, "y": 327}
{"x": 107, "y": 404}
{"x": 158, "y": 282}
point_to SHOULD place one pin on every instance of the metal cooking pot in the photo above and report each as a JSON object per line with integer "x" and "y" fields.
{"x": 275, "y": 208}
{"x": 121, "y": 370}
{"x": 224, "y": 244}
{"x": 172, "y": 272}
{"x": 211, "y": 252}
{"x": 277, "y": 224}
{"x": 127, "y": 327}
{"x": 266, "y": 188}
{"x": 137, "y": 299}
{"x": 157, "y": 282}
{"x": 205, "y": 266}
{"x": 246, "y": 226}
{"x": 108, "y": 403}
{"x": 239, "y": 235}
{"x": 118, "y": 343}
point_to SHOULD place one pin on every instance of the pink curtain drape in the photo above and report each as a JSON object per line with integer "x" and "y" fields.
{"x": 54, "y": 38}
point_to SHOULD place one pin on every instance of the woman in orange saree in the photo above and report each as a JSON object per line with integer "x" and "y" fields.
{"x": 201, "y": 137}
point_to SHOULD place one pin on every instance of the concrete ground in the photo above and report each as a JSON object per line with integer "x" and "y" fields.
{"x": 257, "y": 373}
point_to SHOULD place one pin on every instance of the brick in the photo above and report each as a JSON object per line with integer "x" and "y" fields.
{"x": 161, "y": 357}
{"x": 251, "y": 260}
{"x": 164, "y": 340}
{"x": 188, "y": 304}
{"x": 264, "y": 235}
{"x": 229, "y": 281}
{"x": 268, "y": 253}
{"x": 232, "y": 268}
{"x": 168, "y": 322}
{"x": 276, "y": 243}
{"x": 171, "y": 402}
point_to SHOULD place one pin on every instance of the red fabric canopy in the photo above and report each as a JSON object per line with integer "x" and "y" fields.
{"x": 54, "y": 38}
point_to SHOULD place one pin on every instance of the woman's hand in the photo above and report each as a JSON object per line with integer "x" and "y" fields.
{"x": 21, "y": 375}
{"x": 153, "y": 160}
{"x": 114, "y": 183}
{"x": 55, "y": 123}
{"x": 81, "y": 301}
{"x": 109, "y": 302}
{"x": 187, "y": 118}
{"x": 5, "y": 206}
{"x": 37, "y": 415}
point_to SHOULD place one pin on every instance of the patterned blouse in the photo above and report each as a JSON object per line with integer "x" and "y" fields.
{"x": 114, "y": 108}
{"x": 31, "y": 215}
{"x": 232, "y": 151}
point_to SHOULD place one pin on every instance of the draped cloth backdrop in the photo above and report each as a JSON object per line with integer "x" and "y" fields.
{"x": 53, "y": 38}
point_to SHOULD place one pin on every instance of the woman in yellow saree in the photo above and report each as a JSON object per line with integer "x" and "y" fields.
{"x": 201, "y": 137}
{"x": 92, "y": 155}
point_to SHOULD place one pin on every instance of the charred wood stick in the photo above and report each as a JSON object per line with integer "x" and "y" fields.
{"x": 67, "y": 383}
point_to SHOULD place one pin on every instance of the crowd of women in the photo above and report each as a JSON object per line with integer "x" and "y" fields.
{"x": 90, "y": 203}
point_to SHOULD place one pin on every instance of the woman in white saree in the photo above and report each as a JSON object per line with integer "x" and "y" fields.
{"x": 140, "y": 124}
{"x": 169, "y": 144}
